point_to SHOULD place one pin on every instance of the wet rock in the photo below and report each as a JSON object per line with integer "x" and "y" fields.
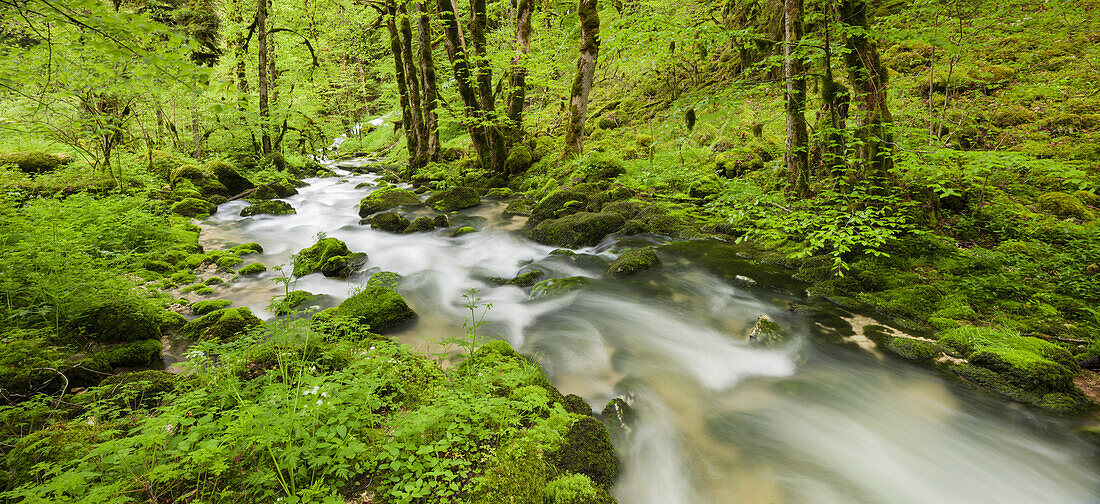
{"x": 441, "y": 221}
{"x": 577, "y": 405}
{"x": 192, "y": 207}
{"x": 344, "y": 266}
{"x": 274, "y": 207}
{"x": 385, "y": 199}
{"x": 912, "y": 348}
{"x": 210, "y": 305}
{"x": 252, "y": 269}
{"x": 221, "y": 325}
{"x": 247, "y": 248}
{"x": 420, "y": 224}
{"x": 458, "y": 198}
{"x": 554, "y": 203}
{"x": 314, "y": 258}
{"x": 557, "y": 287}
{"x": 766, "y": 332}
{"x": 527, "y": 279}
{"x": 499, "y": 193}
{"x": 462, "y": 231}
{"x": 229, "y": 178}
{"x": 390, "y": 221}
{"x": 577, "y": 230}
{"x": 292, "y": 300}
{"x": 633, "y": 261}
{"x": 587, "y": 450}
{"x": 518, "y": 208}
{"x": 262, "y": 193}
{"x": 378, "y": 307}
{"x": 618, "y": 416}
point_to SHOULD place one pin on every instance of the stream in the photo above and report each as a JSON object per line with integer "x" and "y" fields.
{"x": 718, "y": 420}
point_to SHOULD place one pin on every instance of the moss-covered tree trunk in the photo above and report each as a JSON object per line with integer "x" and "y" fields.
{"x": 494, "y": 132}
{"x": 868, "y": 78}
{"x": 455, "y": 44}
{"x": 833, "y": 121}
{"x": 419, "y": 156}
{"x": 518, "y": 78}
{"x": 430, "y": 93}
{"x": 262, "y": 69}
{"x": 794, "y": 72}
{"x": 586, "y": 70}
{"x": 407, "y": 121}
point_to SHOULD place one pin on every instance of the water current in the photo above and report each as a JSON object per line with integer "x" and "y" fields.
{"x": 718, "y": 420}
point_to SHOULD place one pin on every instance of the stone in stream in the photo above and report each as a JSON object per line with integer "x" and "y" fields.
{"x": 578, "y": 230}
{"x": 390, "y": 221}
{"x": 328, "y": 255}
{"x": 458, "y": 198}
{"x": 385, "y": 199}
{"x": 520, "y": 207}
{"x": 221, "y": 325}
{"x": 273, "y": 207}
{"x": 766, "y": 332}
{"x": 633, "y": 261}
{"x": 378, "y": 307}
{"x": 557, "y": 287}
{"x": 555, "y": 203}
{"x": 344, "y": 266}
{"x": 420, "y": 224}
{"x": 587, "y": 450}
{"x": 192, "y": 207}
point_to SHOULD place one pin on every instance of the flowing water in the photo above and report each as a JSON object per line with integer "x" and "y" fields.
{"x": 718, "y": 420}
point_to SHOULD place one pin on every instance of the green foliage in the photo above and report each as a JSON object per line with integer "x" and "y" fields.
{"x": 313, "y": 258}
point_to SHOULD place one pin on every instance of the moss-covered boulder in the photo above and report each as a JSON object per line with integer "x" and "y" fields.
{"x": 527, "y": 279}
{"x": 519, "y": 159}
{"x": 385, "y": 199}
{"x": 291, "y": 301}
{"x": 1030, "y": 363}
{"x": 34, "y": 162}
{"x": 420, "y": 224}
{"x": 578, "y": 230}
{"x": 766, "y": 332}
{"x": 499, "y": 193}
{"x": 464, "y": 230}
{"x": 209, "y": 305}
{"x": 252, "y": 269}
{"x": 247, "y": 248}
{"x": 557, "y": 286}
{"x": 262, "y": 193}
{"x": 554, "y": 203}
{"x": 520, "y": 207}
{"x": 633, "y": 261}
{"x": 229, "y": 177}
{"x": 913, "y": 349}
{"x": 441, "y": 221}
{"x": 193, "y": 207}
{"x": 458, "y": 198}
{"x": 378, "y": 307}
{"x": 1063, "y": 205}
{"x": 344, "y": 266}
{"x": 228, "y": 261}
{"x": 134, "y": 353}
{"x": 273, "y": 207}
{"x": 122, "y": 319}
{"x": 221, "y": 325}
{"x": 587, "y": 450}
{"x": 313, "y": 258}
{"x": 391, "y": 222}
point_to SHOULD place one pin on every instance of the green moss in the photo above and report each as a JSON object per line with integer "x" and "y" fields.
{"x": 273, "y": 207}
{"x": 1029, "y": 363}
{"x": 517, "y": 475}
{"x": 313, "y": 258}
{"x": 228, "y": 177}
{"x": 767, "y": 332}
{"x": 458, "y": 198}
{"x": 575, "y": 489}
{"x": 378, "y": 307}
{"x": 554, "y": 203}
{"x": 221, "y": 325}
{"x": 344, "y": 266}
{"x": 499, "y": 193}
{"x": 34, "y": 162}
{"x": 912, "y": 348}
{"x": 385, "y": 199}
{"x": 387, "y": 279}
{"x": 587, "y": 450}
{"x": 517, "y": 207}
{"x": 1088, "y": 198}
{"x": 292, "y": 300}
{"x": 1063, "y": 205}
{"x": 132, "y": 390}
{"x": 577, "y": 230}
{"x": 228, "y": 261}
{"x": 420, "y": 224}
{"x": 209, "y": 305}
{"x": 633, "y": 261}
{"x": 462, "y": 231}
{"x": 252, "y": 269}
{"x": 192, "y": 207}
{"x": 137, "y": 353}
{"x": 390, "y": 222}
{"x": 557, "y": 286}
{"x": 519, "y": 159}
{"x": 123, "y": 319}
{"x": 61, "y": 443}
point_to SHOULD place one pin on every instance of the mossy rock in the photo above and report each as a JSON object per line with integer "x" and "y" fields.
{"x": 464, "y": 230}
{"x": 527, "y": 279}
{"x": 628, "y": 209}
{"x": 766, "y": 332}
{"x": 577, "y": 405}
{"x": 420, "y": 224}
{"x": 633, "y": 261}
{"x": 252, "y": 269}
{"x": 229, "y": 177}
{"x": 228, "y": 261}
{"x": 192, "y": 207}
{"x": 1063, "y": 205}
{"x": 313, "y": 258}
{"x": 378, "y": 307}
{"x": 35, "y": 162}
{"x": 172, "y": 320}
{"x": 458, "y": 198}
{"x": 344, "y": 266}
{"x": 441, "y": 221}
{"x": 577, "y": 230}
{"x": 599, "y": 166}
{"x": 387, "y": 279}
{"x": 499, "y": 193}
{"x": 136, "y": 353}
{"x": 519, "y": 159}
{"x": 587, "y": 450}
{"x": 209, "y": 305}
{"x": 263, "y": 193}
{"x": 1028, "y": 363}
{"x": 1088, "y": 198}
{"x": 385, "y": 199}
{"x": 912, "y": 348}
{"x": 553, "y": 204}
{"x": 557, "y": 287}
{"x": 273, "y": 207}
{"x": 122, "y": 319}
{"x": 247, "y": 248}
{"x": 221, "y": 325}
{"x": 391, "y": 222}
{"x": 518, "y": 208}
{"x": 292, "y": 300}
{"x": 1012, "y": 116}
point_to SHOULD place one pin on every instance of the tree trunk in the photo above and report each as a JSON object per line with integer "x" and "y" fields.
{"x": 794, "y": 73}
{"x": 586, "y": 70}
{"x": 427, "y": 78}
{"x": 455, "y": 44}
{"x": 494, "y": 134}
{"x": 868, "y": 78}
{"x": 196, "y": 133}
{"x": 518, "y": 79}
{"x": 418, "y": 157}
{"x": 261, "y": 81}
{"x": 834, "y": 100}
{"x": 407, "y": 121}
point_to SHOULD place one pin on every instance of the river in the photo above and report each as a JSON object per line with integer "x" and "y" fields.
{"x": 718, "y": 420}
